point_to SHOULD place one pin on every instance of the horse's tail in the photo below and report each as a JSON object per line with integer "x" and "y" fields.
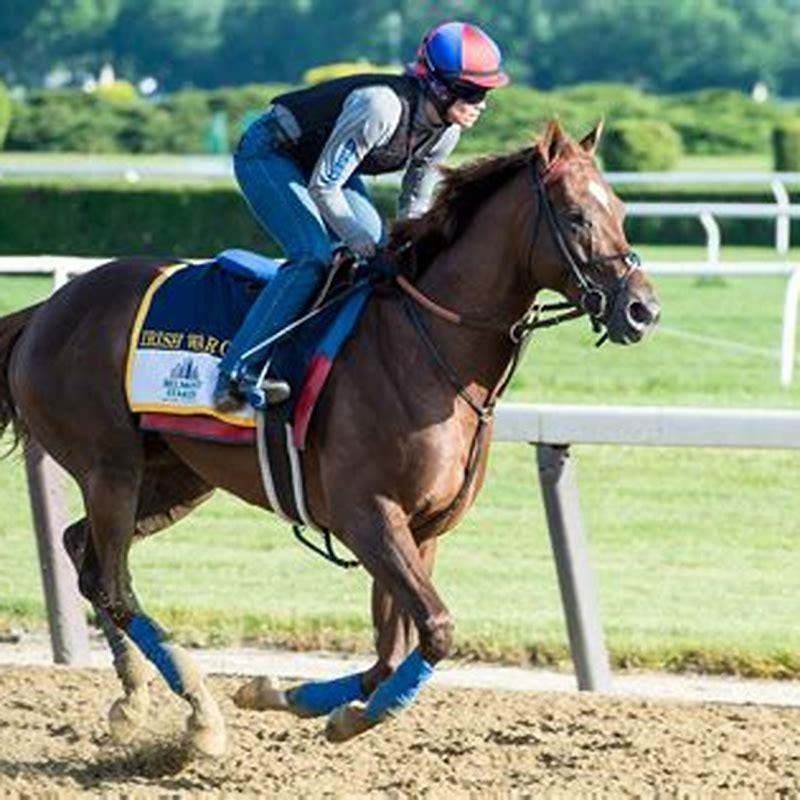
{"x": 11, "y": 327}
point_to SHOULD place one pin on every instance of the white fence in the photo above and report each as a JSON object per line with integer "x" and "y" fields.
{"x": 551, "y": 429}
{"x": 64, "y": 267}
{"x": 206, "y": 167}
{"x": 782, "y": 210}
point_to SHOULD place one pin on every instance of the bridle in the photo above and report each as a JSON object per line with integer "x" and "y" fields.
{"x": 595, "y": 300}
{"x": 598, "y": 302}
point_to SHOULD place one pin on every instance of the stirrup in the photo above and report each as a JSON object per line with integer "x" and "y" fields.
{"x": 271, "y": 392}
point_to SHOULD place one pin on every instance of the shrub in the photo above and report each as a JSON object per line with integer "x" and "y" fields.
{"x": 5, "y": 113}
{"x": 609, "y": 100}
{"x": 719, "y": 121}
{"x": 242, "y": 104}
{"x": 66, "y": 120}
{"x": 641, "y": 145}
{"x": 708, "y": 122}
{"x": 786, "y": 145}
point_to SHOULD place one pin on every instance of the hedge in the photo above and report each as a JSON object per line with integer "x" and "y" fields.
{"x": 71, "y": 121}
{"x": 195, "y": 221}
{"x": 786, "y": 146}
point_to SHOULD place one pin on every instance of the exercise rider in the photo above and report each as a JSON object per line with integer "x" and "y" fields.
{"x": 299, "y": 166}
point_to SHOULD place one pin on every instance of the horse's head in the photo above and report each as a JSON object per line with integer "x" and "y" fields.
{"x": 579, "y": 247}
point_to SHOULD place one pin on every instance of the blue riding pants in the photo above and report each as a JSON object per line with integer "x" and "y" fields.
{"x": 277, "y": 193}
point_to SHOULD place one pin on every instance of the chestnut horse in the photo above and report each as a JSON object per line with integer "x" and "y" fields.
{"x": 399, "y": 442}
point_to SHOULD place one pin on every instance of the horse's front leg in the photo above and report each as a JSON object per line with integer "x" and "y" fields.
{"x": 395, "y": 633}
{"x": 386, "y": 547}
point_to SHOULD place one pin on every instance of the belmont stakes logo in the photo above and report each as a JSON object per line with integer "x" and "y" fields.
{"x": 183, "y": 382}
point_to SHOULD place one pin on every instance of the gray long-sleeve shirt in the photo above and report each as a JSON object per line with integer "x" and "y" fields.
{"x": 368, "y": 119}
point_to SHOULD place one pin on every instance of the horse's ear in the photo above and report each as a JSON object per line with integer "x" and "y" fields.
{"x": 552, "y": 141}
{"x": 590, "y": 142}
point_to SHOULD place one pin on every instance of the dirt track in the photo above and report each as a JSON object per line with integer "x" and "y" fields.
{"x": 53, "y": 738}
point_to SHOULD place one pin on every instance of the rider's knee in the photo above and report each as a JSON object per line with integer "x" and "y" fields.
{"x": 436, "y": 639}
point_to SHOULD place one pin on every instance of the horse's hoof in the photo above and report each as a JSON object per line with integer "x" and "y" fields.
{"x": 126, "y": 716}
{"x": 207, "y": 740}
{"x": 346, "y": 722}
{"x": 262, "y": 694}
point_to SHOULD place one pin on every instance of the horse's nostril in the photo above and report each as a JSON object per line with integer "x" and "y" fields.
{"x": 639, "y": 314}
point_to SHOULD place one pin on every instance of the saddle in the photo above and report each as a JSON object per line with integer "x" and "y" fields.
{"x": 185, "y": 323}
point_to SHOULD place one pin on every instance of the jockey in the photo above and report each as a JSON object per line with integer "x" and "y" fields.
{"x": 299, "y": 167}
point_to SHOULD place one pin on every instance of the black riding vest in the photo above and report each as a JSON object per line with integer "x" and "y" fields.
{"x": 317, "y": 108}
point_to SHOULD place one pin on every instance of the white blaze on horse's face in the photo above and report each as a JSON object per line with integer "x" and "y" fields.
{"x": 598, "y": 191}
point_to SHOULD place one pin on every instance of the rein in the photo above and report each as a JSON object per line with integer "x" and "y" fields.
{"x": 596, "y": 300}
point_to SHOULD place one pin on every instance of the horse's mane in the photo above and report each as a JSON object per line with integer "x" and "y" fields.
{"x": 417, "y": 242}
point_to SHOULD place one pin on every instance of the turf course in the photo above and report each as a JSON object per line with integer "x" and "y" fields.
{"x": 697, "y": 551}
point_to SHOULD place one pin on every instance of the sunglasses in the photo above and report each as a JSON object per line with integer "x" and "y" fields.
{"x": 468, "y": 93}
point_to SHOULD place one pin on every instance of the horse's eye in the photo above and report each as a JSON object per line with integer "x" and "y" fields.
{"x": 577, "y": 219}
{"x": 575, "y": 216}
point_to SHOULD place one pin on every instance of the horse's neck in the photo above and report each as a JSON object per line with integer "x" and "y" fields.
{"x": 479, "y": 275}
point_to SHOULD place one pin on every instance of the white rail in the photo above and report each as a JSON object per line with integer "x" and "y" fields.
{"x": 651, "y": 426}
{"x": 64, "y": 267}
{"x": 554, "y": 428}
{"x": 131, "y": 170}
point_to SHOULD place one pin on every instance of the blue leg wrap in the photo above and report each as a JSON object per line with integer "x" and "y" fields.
{"x": 401, "y": 689}
{"x": 148, "y": 638}
{"x": 320, "y": 698}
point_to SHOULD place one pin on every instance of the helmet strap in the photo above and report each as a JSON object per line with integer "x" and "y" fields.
{"x": 439, "y": 95}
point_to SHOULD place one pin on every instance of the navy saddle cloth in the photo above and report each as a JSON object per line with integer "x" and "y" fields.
{"x": 199, "y": 308}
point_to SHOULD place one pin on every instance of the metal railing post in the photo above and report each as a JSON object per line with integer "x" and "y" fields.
{"x": 783, "y": 219}
{"x": 69, "y": 633}
{"x": 575, "y": 575}
{"x": 713, "y": 237}
{"x": 789, "y": 331}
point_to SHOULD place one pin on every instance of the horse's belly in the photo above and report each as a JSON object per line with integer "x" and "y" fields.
{"x": 234, "y": 468}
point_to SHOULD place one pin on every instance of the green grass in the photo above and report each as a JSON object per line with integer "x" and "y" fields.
{"x": 696, "y": 551}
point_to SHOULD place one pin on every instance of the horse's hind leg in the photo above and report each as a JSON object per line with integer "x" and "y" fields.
{"x": 112, "y": 496}
{"x": 169, "y": 492}
{"x": 135, "y": 673}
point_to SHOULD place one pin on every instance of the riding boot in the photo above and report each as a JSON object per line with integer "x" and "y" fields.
{"x": 281, "y": 301}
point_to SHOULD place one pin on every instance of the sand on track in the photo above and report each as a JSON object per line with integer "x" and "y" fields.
{"x": 54, "y": 739}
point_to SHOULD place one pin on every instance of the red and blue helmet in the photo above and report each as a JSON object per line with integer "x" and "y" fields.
{"x": 457, "y": 53}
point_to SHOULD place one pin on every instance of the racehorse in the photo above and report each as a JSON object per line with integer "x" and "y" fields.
{"x": 398, "y": 444}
